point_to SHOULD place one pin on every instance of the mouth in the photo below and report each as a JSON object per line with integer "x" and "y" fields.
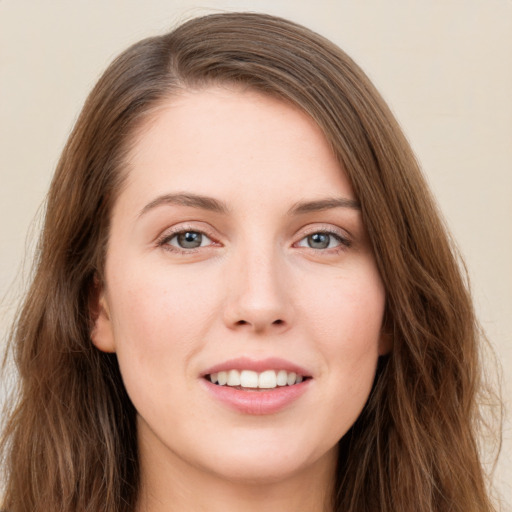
{"x": 257, "y": 386}
{"x": 249, "y": 380}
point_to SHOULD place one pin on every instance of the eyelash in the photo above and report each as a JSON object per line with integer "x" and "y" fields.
{"x": 167, "y": 237}
{"x": 344, "y": 242}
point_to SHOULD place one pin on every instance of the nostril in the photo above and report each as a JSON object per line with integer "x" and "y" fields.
{"x": 257, "y": 325}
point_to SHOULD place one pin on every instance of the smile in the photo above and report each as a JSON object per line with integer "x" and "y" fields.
{"x": 249, "y": 379}
{"x": 257, "y": 386}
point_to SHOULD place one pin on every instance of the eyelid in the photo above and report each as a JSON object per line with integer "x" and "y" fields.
{"x": 342, "y": 235}
{"x": 162, "y": 241}
{"x": 168, "y": 234}
{"x": 326, "y": 228}
{"x": 172, "y": 236}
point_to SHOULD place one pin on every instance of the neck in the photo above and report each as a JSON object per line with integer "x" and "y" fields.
{"x": 176, "y": 486}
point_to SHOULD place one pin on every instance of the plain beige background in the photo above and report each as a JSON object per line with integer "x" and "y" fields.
{"x": 444, "y": 66}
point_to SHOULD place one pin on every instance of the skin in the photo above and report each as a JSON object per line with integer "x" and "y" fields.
{"x": 254, "y": 288}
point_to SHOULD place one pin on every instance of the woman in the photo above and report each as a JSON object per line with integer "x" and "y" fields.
{"x": 244, "y": 298}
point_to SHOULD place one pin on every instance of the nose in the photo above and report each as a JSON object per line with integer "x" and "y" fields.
{"x": 258, "y": 294}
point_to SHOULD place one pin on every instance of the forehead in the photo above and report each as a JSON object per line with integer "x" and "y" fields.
{"x": 222, "y": 141}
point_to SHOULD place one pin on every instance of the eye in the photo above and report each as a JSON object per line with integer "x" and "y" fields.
{"x": 187, "y": 239}
{"x": 323, "y": 240}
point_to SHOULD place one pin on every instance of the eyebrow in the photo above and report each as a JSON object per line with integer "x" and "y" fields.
{"x": 192, "y": 200}
{"x": 214, "y": 205}
{"x": 323, "y": 204}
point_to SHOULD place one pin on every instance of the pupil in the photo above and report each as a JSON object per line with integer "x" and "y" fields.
{"x": 318, "y": 241}
{"x": 190, "y": 239}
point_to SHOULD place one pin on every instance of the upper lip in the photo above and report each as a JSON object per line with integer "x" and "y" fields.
{"x": 257, "y": 365}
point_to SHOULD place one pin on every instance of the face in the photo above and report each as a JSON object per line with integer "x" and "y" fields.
{"x": 237, "y": 252}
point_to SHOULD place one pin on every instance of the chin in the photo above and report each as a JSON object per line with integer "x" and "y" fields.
{"x": 261, "y": 472}
{"x": 268, "y": 464}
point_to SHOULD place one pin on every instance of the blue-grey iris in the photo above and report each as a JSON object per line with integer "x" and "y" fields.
{"x": 319, "y": 240}
{"x": 190, "y": 240}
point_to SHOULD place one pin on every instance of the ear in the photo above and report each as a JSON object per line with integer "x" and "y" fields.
{"x": 102, "y": 333}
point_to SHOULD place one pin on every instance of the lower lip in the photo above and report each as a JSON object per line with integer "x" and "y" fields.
{"x": 268, "y": 401}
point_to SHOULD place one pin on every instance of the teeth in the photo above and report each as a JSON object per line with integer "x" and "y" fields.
{"x": 248, "y": 379}
{"x": 269, "y": 379}
{"x": 233, "y": 378}
{"x": 282, "y": 378}
{"x": 290, "y": 380}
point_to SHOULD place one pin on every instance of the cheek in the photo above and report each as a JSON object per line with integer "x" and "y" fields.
{"x": 346, "y": 322}
{"x": 159, "y": 319}
{"x": 347, "y": 311}
{"x": 161, "y": 303}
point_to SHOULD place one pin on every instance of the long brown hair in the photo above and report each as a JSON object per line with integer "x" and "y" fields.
{"x": 70, "y": 442}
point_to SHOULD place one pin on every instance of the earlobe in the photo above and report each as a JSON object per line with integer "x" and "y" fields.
{"x": 102, "y": 334}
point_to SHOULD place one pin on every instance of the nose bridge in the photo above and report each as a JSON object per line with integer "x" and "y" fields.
{"x": 257, "y": 296}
